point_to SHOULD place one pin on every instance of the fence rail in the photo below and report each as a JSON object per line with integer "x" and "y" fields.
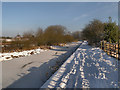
{"x": 112, "y": 49}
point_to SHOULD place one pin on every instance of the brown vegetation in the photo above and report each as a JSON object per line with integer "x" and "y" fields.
{"x": 52, "y": 35}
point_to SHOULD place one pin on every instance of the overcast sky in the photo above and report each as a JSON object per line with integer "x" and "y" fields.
{"x": 20, "y": 17}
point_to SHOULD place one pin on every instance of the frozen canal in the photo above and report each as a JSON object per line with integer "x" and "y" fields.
{"x": 32, "y": 71}
{"x": 87, "y": 67}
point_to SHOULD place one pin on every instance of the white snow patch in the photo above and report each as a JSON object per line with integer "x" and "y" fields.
{"x": 10, "y": 56}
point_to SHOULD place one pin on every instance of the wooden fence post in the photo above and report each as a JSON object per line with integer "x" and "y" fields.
{"x": 115, "y": 51}
{"x": 110, "y": 48}
{"x": 104, "y": 46}
{"x": 118, "y": 50}
{"x": 101, "y": 44}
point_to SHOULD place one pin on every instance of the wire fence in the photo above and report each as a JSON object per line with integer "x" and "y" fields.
{"x": 112, "y": 49}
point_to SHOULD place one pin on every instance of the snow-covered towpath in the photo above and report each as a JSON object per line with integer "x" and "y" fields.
{"x": 87, "y": 67}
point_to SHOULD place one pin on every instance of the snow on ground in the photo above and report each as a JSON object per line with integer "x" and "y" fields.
{"x": 87, "y": 67}
{"x": 33, "y": 71}
{"x": 10, "y": 56}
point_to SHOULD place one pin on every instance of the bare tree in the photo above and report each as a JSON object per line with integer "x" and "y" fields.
{"x": 93, "y": 32}
{"x": 54, "y": 34}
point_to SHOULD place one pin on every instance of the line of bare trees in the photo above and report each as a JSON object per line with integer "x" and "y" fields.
{"x": 52, "y": 35}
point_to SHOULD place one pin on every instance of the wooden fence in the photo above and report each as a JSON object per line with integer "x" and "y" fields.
{"x": 112, "y": 49}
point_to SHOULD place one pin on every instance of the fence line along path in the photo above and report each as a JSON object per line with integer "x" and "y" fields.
{"x": 87, "y": 67}
{"x": 112, "y": 49}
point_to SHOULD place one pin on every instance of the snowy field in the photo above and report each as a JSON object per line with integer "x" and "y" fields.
{"x": 32, "y": 71}
{"x": 87, "y": 67}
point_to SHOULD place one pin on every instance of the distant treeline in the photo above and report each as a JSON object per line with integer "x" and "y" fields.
{"x": 52, "y": 35}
